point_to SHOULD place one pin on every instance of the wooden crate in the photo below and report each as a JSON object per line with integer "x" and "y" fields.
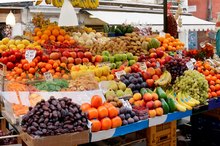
{"x": 162, "y": 135}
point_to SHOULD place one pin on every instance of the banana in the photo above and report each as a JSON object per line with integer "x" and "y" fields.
{"x": 187, "y": 101}
{"x": 48, "y": 2}
{"x": 38, "y": 2}
{"x": 54, "y": 3}
{"x": 182, "y": 102}
{"x": 179, "y": 107}
{"x": 164, "y": 79}
{"x": 60, "y": 3}
{"x": 193, "y": 100}
{"x": 96, "y": 3}
{"x": 75, "y": 3}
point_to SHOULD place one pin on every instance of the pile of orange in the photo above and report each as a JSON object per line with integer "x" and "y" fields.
{"x": 34, "y": 70}
{"x": 51, "y": 33}
{"x": 103, "y": 116}
{"x": 169, "y": 43}
{"x": 211, "y": 76}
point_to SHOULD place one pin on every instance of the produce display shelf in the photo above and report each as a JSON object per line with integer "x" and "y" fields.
{"x": 123, "y": 130}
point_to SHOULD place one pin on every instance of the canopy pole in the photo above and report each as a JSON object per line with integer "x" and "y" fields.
{"x": 165, "y": 23}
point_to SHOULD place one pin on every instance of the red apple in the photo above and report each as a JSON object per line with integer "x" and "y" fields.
{"x": 162, "y": 61}
{"x": 88, "y": 55}
{"x": 150, "y": 104}
{"x": 18, "y": 55}
{"x": 168, "y": 58}
{"x": 10, "y": 65}
{"x": 70, "y": 60}
{"x": 85, "y": 60}
{"x": 39, "y": 53}
{"x": 12, "y": 58}
{"x": 64, "y": 59}
{"x": 45, "y": 58}
{"x": 80, "y": 55}
{"x": 146, "y": 75}
{"x": 5, "y": 54}
{"x": 153, "y": 60}
{"x": 66, "y": 54}
{"x": 73, "y": 54}
{"x": 159, "y": 53}
{"x": 153, "y": 55}
{"x": 5, "y": 60}
{"x": 78, "y": 61}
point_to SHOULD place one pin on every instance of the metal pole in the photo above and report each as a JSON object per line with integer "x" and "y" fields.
{"x": 165, "y": 24}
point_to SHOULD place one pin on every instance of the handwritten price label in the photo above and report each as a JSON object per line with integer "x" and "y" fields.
{"x": 180, "y": 53}
{"x": 30, "y": 55}
{"x": 120, "y": 73}
{"x": 48, "y": 76}
{"x": 157, "y": 64}
{"x": 193, "y": 60}
{"x": 143, "y": 66}
{"x": 190, "y": 65}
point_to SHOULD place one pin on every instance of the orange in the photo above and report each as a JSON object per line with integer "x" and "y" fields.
{"x": 65, "y": 76}
{"x": 106, "y": 123}
{"x": 18, "y": 71}
{"x": 214, "y": 94}
{"x": 96, "y": 125}
{"x": 217, "y": 81}
{"x": 47, "y": 32}
{"x": 51, "y": 61}
{"x": 44, "y": 37}
{"x": 212, "y": 82}
{"x": 18, "y": 79}
{"x": 63, "y": 65}
{"x": 23, "y": 75}
{"x": 62, "y": 32}
{"x": 60, "y": 38}
{"x": 116, "y": 122}
{"x": 52, "y": 71}
{"x": 218, "y": 93}
{"x": 102, "y": 112}
{"x": 30, "y": 76}
{"x": 43, "y": 70}
{"x": 55, "y": 32}
{"x": 96, "y": 101}
{"x": 39, "y": 33}
{"x": 36, "y": 38}
{"x": 32, "y": 64}
{"x": 52, "y": 38}
{"x": 112, "y": 112}
{"x": 55, "y": 65}
{"x": 67, "y": 37}
{"x": 206, "y": 72}
{"x": 26, "y": 66}
{"x": 217, "y": 87}
{"x": 212, "y": 87}
{"x": 48, "y": 66}
{"x": 85, "y": 106}
{"x": 31, "y": 70}
{"x": 36, "y": 30}
{"x": 92, "y": 113}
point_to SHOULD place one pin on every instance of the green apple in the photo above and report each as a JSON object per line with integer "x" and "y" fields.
{"x": 113, "y": 66}
{"x": 136, "y": 58}
{"x": 111, "y": 59}
{"x": 131, "y": 62}
{"x": 124, "y": 57}
{"x": 118, "y": 64}
{"x": 130, "y": 56}
{"x": 118, "y": 57}
{"x": 105, "y": 53}
{"x": 104, "y": 58}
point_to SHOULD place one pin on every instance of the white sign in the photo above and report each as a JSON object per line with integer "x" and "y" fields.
{"x": 126, "y": 103}
{"x": 192, "y": 8}
{"x": 143, "y": 66}
{"x": 48, "y": 76}
{"x": 180, "y": 53}
{"x": 162, "y": 34}
{"x": 120, "y": 73}
{"x": 157, "y": 64}
{"x": 30, "y": 55}
{"x": 190, "y": 65}
{"x": 193, "y": 60}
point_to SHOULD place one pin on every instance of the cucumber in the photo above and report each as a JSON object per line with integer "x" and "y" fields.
{"x": 149, "y": 90}
{"x": 161, "y": 93}
{"x": 165, "y": 106}
{"x": 171, "y": 104}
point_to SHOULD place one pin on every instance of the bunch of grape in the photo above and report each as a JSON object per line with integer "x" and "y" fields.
{"x": 176, "y": 66}
{"x": 193, "y": 83}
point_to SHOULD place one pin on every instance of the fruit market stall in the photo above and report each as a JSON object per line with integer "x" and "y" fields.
{"x": 78, "y": 86}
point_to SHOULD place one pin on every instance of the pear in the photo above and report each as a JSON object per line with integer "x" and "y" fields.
{"x": 121, "y": 86}
{"x": 119, "y": 93}
{"x": 110, "y": 93}
{"x": 113, "y": 85}
{"x": 128, "y": 91}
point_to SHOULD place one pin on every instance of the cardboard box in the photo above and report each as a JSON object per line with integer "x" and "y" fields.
{"x": 69, "y": 139}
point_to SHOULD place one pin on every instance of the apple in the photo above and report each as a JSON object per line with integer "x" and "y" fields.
{"x": 18, "y": 55}
{"x": 66, "y": 54}
{"x": 73, "y": 54}
{"x": 12, "y": 58}
{"x": 157, "y": 103}
{"x": 150, "y": 104}
{"x": 45, "y": 58}
{"x": 85, "y": 60}
{"x": 88, "y": 55}
{"x": 153, "y": 55}
{"x": 64, "y": 59}
{"x": 39, "y": 53}
{"x": 146, "y": 75}
{"x": 5, "y": 60}
{"x": 162, "y": 61}
{"x": 80, "y": 55}
{"x": 70, "y": 60}
{"x": 168, "y": 58}
{"x": 78, "y": 61}
{"x": 10, "y": 65}
{"x": 5, "y": 54}
{"x": 55, "y": 55}
{"x": 159, "y": 53}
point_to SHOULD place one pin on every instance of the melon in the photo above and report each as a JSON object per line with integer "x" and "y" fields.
{"x": 154, "y": 43}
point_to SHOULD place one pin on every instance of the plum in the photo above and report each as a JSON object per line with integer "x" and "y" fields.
{"x": 144, "y": 85}
{"x": 126, "y": 82}
{"x": 122, "y": 116}
{"x": 127, "y": 116}
{"x": 130, "y": 120}
{"x": 136, "y": 119}
{"x": 123, "y": 110}
{"x": 136, "y": 75}
{"x": 133, "y": 114}
{"x": 125, "y": 122}
{"x": 135, "y": 91}
{"x": 132, "y": 86}
{"x": 137, "y": 86}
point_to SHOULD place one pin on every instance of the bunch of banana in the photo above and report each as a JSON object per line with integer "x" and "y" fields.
{"x": 187, "y": 101}
{"x": 38, "y": 2}
{"x": 164, "y": 79}
{"x": 48, "y": 2}
{"x": 92, "y": 4}
{"x": 75, "y": 3}
{"x": 179, "y": 107}
{"x": 57, "y": 3}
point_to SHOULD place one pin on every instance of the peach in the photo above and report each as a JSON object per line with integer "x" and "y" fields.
{"x": 150, "y": 104}
{"x": 159, "y": 111}
{"x": 152, "y": 113}
{"x": 157, "y": 103}
{"x": 147, "y": 97}
{"x": 137, "y": 96}
{"x": 155, "y": 96}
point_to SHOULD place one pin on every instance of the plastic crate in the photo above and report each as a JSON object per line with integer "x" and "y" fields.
{"x": 162, "y": 135}
{"x": 214, "y": 113}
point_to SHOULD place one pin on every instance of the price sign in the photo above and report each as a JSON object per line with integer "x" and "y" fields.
{"x": 30, "y": 55}
{"x": 157, "y": 64}
{"x": 120, "y": 73}
{"x": 48, "y": 76}
{"x": 193, "y": 60}
{"x": 162, "y": 34}
{"x": 126, "y": 103}
{"x": 180, "y": 53}
{"x": 190, "y": 65}
{"x": 104, "y": 64}
{"x": 143, "y": 66}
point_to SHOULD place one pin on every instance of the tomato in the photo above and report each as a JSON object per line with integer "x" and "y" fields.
{"x": 10, "y": 65}
{"x": 26, "y": 66}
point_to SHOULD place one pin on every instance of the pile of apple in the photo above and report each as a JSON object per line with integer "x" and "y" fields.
{"x": 148, "y": 100}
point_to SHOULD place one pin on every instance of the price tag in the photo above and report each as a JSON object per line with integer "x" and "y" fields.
{"x": 30, "y": 55}
{"x": 180, "y": 53}
{"x": 48, "y": 76}
{"x": 190, "y": 65}
{"x": 162, "y": 34}
{"x": 193, "y": 60}
{"x": 126, "y": 103}
{"x": 104, "y": 64}
{"x": 120, "y": 73}
{"x": 143, "y": 66}
{"x": 157, "y": 64}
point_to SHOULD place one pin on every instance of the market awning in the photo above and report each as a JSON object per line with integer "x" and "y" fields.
{"x": 155, "y": 20}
